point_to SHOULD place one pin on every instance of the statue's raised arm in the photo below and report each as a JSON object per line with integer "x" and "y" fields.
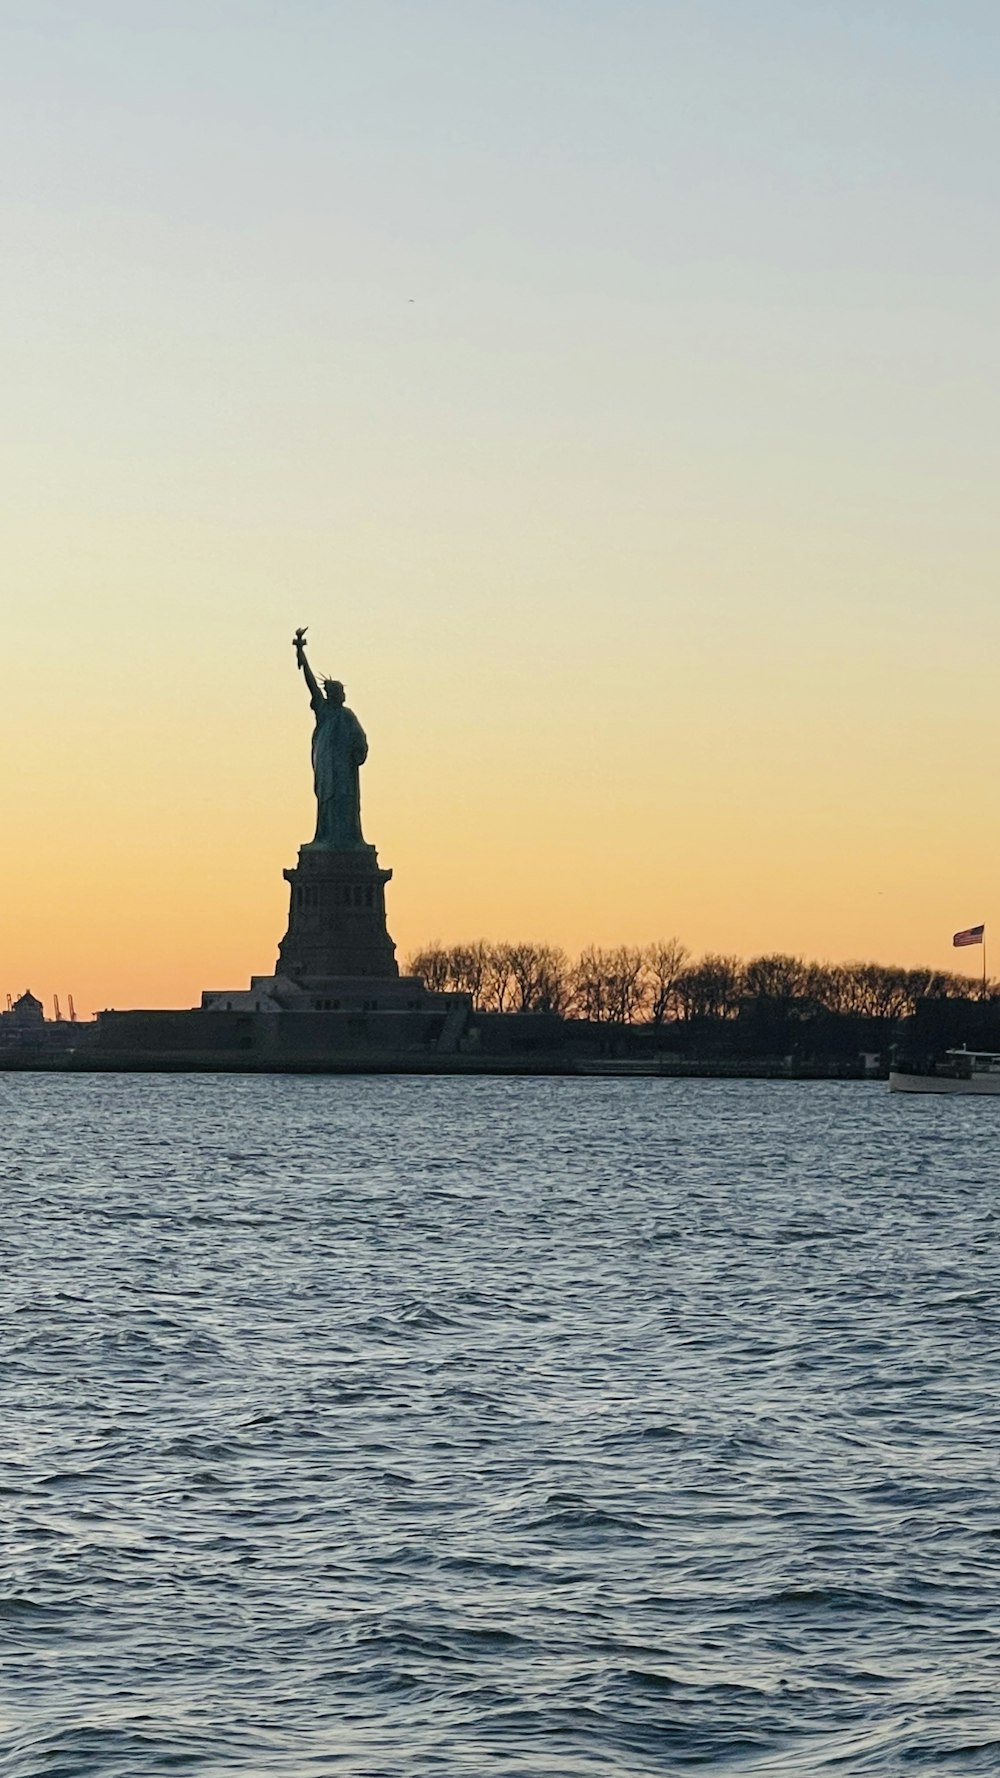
{"x": 299, "y": 645}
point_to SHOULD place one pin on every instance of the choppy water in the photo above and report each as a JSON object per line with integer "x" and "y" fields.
{"x": 387, "y": 1426}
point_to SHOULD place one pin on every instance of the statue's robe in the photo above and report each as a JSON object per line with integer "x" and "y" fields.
{"x": 339, "y": 747}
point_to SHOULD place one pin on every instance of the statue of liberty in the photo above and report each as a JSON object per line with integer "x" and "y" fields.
{"x": 339, "y": 748}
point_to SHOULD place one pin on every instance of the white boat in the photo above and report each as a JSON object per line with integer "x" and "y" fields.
{"x": 960, "y": 1071}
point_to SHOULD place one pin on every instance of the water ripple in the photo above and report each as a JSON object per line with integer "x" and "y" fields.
{"x": 544, "y": 1428}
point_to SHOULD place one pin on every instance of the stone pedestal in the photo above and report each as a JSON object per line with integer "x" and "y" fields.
{"x": 336, "y": 919}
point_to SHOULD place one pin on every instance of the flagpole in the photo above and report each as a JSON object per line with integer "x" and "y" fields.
{"x": 984, "y": 960}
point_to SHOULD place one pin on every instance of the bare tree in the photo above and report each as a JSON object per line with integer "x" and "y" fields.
{"x": 944, "y": 984}
{"x": 664, "y": 960}
{"x": 886, "y": 991}
{"x": 589, "y": 986}
{"x": 864, "y": 990}
{"x": 711, "y": 988}
{"x": 626, "y": 983}
{"x": 541, "y": 978}
{"x": 433, "y": 966}
{"x": 469, "y": 969}
{"x": 822, "y": 986}
{"x": 609, "y": 986}
{"x": 775, "y": 977}
{"x": 499, "y": 986}
{"x": 552, "y": 985}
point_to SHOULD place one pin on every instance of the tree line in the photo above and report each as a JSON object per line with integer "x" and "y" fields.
{"x": 661, "y": 983}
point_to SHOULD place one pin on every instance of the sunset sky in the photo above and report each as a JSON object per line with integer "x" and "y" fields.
{"x": 612, "y": 386}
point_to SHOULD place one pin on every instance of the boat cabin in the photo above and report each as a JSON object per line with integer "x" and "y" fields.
{"x": 969, "y": 1062}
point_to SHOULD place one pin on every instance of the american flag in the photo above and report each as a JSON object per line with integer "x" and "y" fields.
{"x": 973, "y": 935}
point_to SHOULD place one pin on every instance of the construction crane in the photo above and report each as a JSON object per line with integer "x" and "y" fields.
{"x": 55, "y": 1002}
{"x": 72, "y": 1011}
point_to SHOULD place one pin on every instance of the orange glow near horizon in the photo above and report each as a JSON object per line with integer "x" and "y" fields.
{"x": 738, "y": 805}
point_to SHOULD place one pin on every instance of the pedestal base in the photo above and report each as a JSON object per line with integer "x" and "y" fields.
{"x": 336, "y": 919}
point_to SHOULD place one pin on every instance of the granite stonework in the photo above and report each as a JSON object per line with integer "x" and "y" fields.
{"x": 289, "y": 1038}
{"x": 336, "y": 918}
{"x": 336, "y": 955}
{"x": 336, "y": 993}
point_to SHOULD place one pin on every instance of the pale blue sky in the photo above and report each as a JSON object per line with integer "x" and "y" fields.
{"x": 619, "y": 220}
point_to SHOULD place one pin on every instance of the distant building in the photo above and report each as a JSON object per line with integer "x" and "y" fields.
{"x": 24, "y": 1027}
{"x": 27, "y": 1013}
